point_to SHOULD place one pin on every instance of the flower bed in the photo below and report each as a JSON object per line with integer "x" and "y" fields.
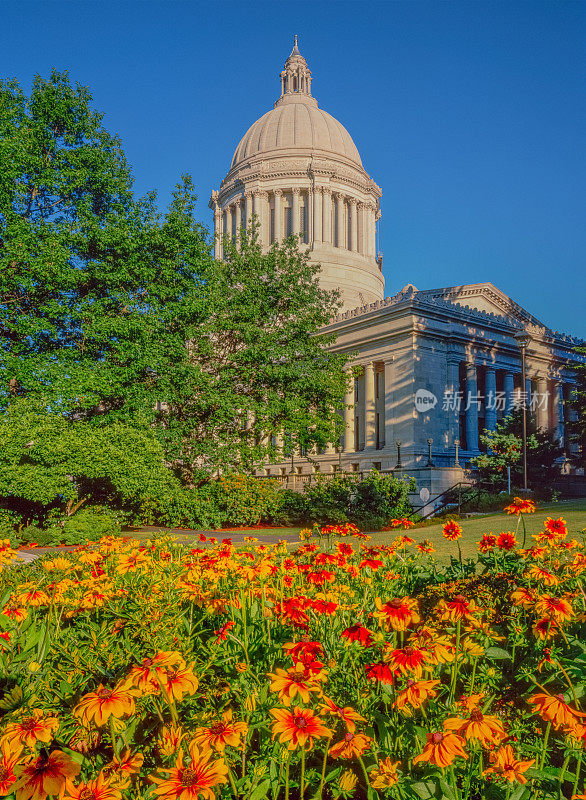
{"x": 338, "y": 670}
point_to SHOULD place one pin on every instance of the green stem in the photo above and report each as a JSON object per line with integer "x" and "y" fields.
{"x": 302, "y": 782}
{"x": 323, "y": 771}
{"x": 454, "y": 782}
{"x": 113, "y": 736}
{"x": 232, "y": 782}
{"x": 544, "y": 750}
{"x": 367, "y": 785}
{"x": 562, "y": 773}
{"x": 455, "y": 667}
{"x": 578, "y": 766}
{"x": 287, "y": 777}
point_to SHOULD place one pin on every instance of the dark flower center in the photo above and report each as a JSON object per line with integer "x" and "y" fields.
{"x": 459, "y": 598}
{"x": 476, "y": 715}
{"x": 105, "y": 694}
{"x": 188, "y": 777}
{"x": 396, "y": 603}
{"x": 86, "y": 794}
{"x": 147, "y": 662}
{"x": 409, "y": 650}
{"x": 561, "y": 697}
{"x": 436, "y": 738}
{"x": 300, "y": 721}
{"x": 28, "y": 724}
{"x": 217, "y": 728}
{"x": 4, "y": 773}
{"x": 349, "y": 737}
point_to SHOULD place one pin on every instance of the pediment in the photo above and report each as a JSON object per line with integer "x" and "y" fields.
{"x": 487, "y": 298}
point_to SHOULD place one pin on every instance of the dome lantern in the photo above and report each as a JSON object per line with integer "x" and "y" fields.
{"x": 295, "y": 79}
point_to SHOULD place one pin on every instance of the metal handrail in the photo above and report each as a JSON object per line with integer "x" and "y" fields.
{"x": 469, "y": 490}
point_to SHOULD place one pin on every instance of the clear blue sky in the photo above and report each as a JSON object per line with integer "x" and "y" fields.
{"x": 469, "y": 115}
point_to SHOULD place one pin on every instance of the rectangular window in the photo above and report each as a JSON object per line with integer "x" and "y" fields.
{"x": 357, "y": 434}
{"x": 272, "y": 239}
{"x": 376, "y": 383}
{"x": 355, "y": 390}
{"x": 335, "y": 241}
{"x": 288, "y": 221}
{"x": 303, "y": 223}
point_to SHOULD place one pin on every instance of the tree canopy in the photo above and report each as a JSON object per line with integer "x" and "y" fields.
{"x": 112, "y": 311}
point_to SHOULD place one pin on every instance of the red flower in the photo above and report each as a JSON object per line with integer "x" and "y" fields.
{"x": 452, "y": 531}
{"x": 222, "y": 633}
{"x": 487, "y": 542}
{"x": 380, "y": 672}
{"x": 356, "y": 633}
{"x": 506, "y": 541}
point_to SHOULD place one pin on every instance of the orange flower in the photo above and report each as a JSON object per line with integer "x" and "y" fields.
{"x": 424, "y": 547}
{"x": 545, "y": 628}
{"x": 520, "y": 506}
{"x": 9, "y": 755}
{"x": 555, "y": 710}
{"x": 169, "y": 739}
{"x": 122, "y": 767}
{"x": 221, "y": 733}
{"x": 298, "y": 727}
{"x": 506, "y": 766}
{"x": 352, "y": 745}
{"x": 398, "y": 614}
{"x": 197, "y": 779}
{"x": 457, "y": 609}
{"x": 43, "y": 775}
{"x": 487, "y": 542}
{"x": 409, "y": 660}
{"x": 96, "y": 789}
{"x": 145, "y": 676}
{"x": 523, "y": 597}
{"x": 557, "y": 527}
{"x": 32, "y": 728}
{"x": 452, "y": 531}
{"x": 485, "y": 729}
{"x": 104, "y": 703}
{"x": 415, "y": 695}
{"x": 347, "y": 714}
{"x": 441, "y": 749}
{"x": 292, "y": 682}
{"x": 179, "y": 681}
{"x": 557, "y": 607}
{"x": 384, "y": 775}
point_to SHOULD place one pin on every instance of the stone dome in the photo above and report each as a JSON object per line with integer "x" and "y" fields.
{"x": 297, "y": 123}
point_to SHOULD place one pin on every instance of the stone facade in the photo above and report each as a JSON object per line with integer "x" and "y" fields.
{"x": 433, "y": 367}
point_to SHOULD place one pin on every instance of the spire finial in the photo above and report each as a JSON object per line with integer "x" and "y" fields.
{"x": 296, "y": 78}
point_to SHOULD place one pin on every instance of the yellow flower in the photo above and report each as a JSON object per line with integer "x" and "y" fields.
{"x": 384, "y": 775}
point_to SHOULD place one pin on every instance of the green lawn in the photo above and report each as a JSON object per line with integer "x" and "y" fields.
{"x": 573, "y": 511}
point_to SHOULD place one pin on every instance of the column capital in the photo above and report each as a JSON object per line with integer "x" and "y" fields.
{"x": 278, "y": 192}
{"x": 353, "y": 201}
{"x": 326, "y": 190}
{"x": 490, "y": 368}
{"x": 296, "y": 190}
{"x": 261, "y": 193}
{"x": 248, "y": 194}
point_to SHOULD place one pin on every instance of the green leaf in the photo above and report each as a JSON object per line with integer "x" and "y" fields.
{"x": 261, "y": 790}
{"x": 497, "y": 653}
{"x": 426, "y": 790}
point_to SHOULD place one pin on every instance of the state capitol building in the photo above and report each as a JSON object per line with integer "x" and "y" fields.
{"x": 433, "y": 367}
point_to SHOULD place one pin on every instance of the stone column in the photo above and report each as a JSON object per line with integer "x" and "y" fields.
{"x": 369, "y": 407}
{"x": 558, "y": 412}
{"x": 261, "y": 203}
{"x": 278, "y": 215}
{"x": 296, "y": 192}
{"x": 454, "y": 406}
{"x": 471, "y": 408}
{"x": 509, "y": 387}
{"x": 542, "y": 404}
{"x": 349, "y": 416}
{"x": 371, "y": 231}
{"x": 218, "y": 232}
{"x": 309, "y": 215}
{"x": 247, "y": 209}
{"x": 229, "y": 217}
{"x": 353, "y": 243}
{"x": 490, "y": 415}
{"x": 388, "y": 403}
{"x": 340, "y": 220}
{"x": 327, "y": 215}
{"x": 317, "y": 214}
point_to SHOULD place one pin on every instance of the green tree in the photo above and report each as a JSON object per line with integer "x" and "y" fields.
{"x": 49, "y": 462}
{"x": 113, "y": 312}
{"x": 267, "y": 367}
{"x": 504, "y": 448}
{"x": 577, "y": 429}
